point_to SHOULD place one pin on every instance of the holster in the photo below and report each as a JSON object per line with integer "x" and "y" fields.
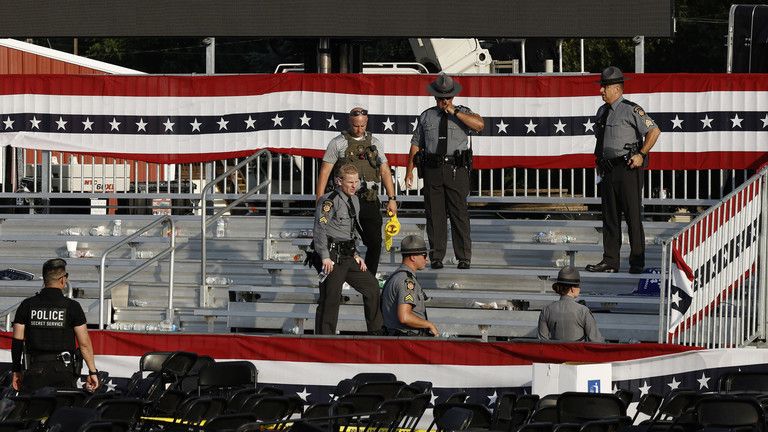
{"x": 418, "y": 162}
{"x": 367, "y": 194}
{"x": 77, "y": 362}
{"x": 313, "y": 258}
{"x": 342, "y": 248}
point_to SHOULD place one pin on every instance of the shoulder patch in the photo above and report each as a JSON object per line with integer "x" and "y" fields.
{"x": 639, "y": 110}
{"x": 648, "y": 122}
{"x": 327, "y": 206}
{"x": 408, "y": 297}
{"x": 409, "y": 284}
{"x": 323, "y": 220}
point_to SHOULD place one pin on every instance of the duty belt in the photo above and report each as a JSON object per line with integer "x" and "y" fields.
{"x": 406, "y": 332}
{"x": 436, "y": 160}
{"x": 64, "y": 357}
{"x": 343, "y": 247}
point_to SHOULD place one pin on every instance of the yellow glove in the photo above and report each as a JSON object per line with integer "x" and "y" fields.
{"x": 391, "y": 230}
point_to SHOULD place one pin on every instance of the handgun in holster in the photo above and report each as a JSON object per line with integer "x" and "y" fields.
{"x": 633, "y": 149}
{"x": 313, "y": 258}
{"x": 419, "y": 159}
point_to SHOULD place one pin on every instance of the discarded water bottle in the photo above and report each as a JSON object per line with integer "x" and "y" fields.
{"x": 562, "y": 261}
{"x": 145, "y": 254}
{"x": 167, "y": 326}
{"x": 218, "y": 280}
{"x": 322, "y": 276}
{"x": 285, "y": 235}
{"x": 221, "y": 228}
{"x": 117, "y": 228}
{"x": 73, "y": 231}
{"x": 451, "y": 260}
{"x": 541, "y": 237}
{"x": 455, "y": 286}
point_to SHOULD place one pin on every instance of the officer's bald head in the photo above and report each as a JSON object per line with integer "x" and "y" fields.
{"x": 53, "y": 270}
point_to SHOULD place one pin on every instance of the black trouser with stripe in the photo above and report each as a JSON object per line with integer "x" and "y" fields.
{"x": 621, "y": 193}
{"x": 446, "y": 189}
{"x": 371, "y": 221}
{"x": 347, "y": 270}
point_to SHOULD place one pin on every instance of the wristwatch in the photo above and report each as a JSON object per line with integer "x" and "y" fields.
{"x": 392, "y": 198}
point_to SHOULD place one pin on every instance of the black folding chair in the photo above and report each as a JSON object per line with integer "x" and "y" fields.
{"x": 577, "y": 407}
{"x": 744, "y": 382}
{"x": 453, "y": 419}
{"x": 649, "y": 404}
{"x": 70, "y": 419}
{"x": 225, "y": 378}
{"x": 387, "y": 389}
{"x": 121, "y": 409}
{"x": 730, "y": 413}
{"x": 502, "y": 412}
{"x": 365, "y": 377}
{"x": 228, "y": 422}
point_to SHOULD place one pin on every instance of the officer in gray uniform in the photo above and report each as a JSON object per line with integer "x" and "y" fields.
{"x": 364, "y": 151}
{"x": 45, "y": 329}
{"x": 336, "y": 221}
{"x": 625, "y": 135}
{"x": 440, "y": 142}
{"x": 402, "y": 301}
{"x": 566, "y": 320}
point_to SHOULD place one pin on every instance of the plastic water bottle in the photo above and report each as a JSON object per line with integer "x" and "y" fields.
{"x": 117, "y": 228}
{"x": 322, "y": 276}
{"x": 221, "y": 228}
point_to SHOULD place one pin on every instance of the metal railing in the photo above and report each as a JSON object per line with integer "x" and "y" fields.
{"x": 205, "y": 221}
{"x": 714, "y": 274}
{"x": 169, "y": 250}
{"x": 124, "y": 184}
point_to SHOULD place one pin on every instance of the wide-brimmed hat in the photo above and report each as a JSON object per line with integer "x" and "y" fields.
{"x": 413, "y": 245}
{"x": 611, "y": 75}
{"x": 568, "y": 275}
{"x": 444, "y": 87}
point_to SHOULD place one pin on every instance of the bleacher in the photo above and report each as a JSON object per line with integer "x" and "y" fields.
{"x": 498, "y": 298}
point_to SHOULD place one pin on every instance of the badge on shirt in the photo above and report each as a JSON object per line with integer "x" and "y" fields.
{"x": 327, "y": 206}
{"x": 639, "y": 110}
{"x": 409, "y": 284}
{"x": 648, "y": 122}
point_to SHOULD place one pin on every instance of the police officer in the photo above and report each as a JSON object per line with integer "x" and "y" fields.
{"x": 336, "y": 221}
{"x": 566, "y": 320}
{"x": 625, "y": 135}
{"x": 364, "y": 151}
{"x": 441, "y": 140}
{"x": 45, "y": 329}
{"x": 402, "y": 301}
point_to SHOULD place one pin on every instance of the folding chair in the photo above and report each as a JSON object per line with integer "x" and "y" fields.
{"x": 577, "y": 407}
{"x": 649, "y": 404}
{"x": 365, "y": 377}
{"x": 121, "y": 409}
{"x": 387, "y": 389}
{"x": 738, "y": 413}
{"x": 453, "y": 419}
{"x": 481, "y": 416}
{"x": 70, "y": 419}
{"x": 416, "y": 408}
{"x": 502, "y": 412}
{"x": 228, "y": 422}
{"x": 743, "y": 382}
{"x": 626, "y": 396}
{"x": 224, "y": 378}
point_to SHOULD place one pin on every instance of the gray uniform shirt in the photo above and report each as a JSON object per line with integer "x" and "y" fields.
{"x": 566, "y": 320}
{"x": 401, "y": 288}
{"x": 339, "y": 144}
{"x": 626, "y": 123}
{"x": 333, "y": 219}
{"x": 427, "y": 131}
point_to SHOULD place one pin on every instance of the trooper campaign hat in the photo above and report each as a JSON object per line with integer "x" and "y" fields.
{"x": 611, "y": 75}
{"x": 413, "y": 245}
{"x": 568, "y": 275}
{"x": 444, "y": 87}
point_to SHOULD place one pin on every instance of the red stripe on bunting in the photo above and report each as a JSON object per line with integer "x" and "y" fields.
{"x": 660, "y": 161}
{"x": 385, "y": 85}
{"x": 367, "y": 350}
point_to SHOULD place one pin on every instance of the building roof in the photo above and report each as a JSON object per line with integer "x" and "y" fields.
{"x": 83, "y": 64}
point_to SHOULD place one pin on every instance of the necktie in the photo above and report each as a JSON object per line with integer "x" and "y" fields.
{"x": 442, "y": 138}
{"x": 601, "y": 132}
{"x": 353, "y": 216}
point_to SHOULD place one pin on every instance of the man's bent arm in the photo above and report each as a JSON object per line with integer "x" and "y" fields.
{"x": 322, "y": 179}
{"x": 406, "y": 317}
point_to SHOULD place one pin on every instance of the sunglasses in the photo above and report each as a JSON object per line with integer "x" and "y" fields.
{"x": 65, "y": 275}
{"x": 355, "y": 113}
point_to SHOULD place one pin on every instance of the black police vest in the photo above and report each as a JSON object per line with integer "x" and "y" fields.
{"x": 49, "y": 327}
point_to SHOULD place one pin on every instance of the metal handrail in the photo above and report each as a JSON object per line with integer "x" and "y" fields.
{"x": 204, "y": 222}
{"x": 170, "y": 250}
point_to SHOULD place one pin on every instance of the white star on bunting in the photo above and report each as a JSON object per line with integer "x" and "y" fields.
{"x": 87, "y": 124}
{"x": 676, "y": 299}
{"x": 35, "y": 122}
{"x": 765, "y": 120}
{"x": 677, "y": 122}
{"x": 388, "y": 125}
{"x": 305, "y": 120}
{"x": 168, "y": 125}
{"x": 222, "y": 123}
{"x": 303, "y": 394}
{"x": 250, "y": 123}
{"x": 674, "y": 384}
{"x": 432, "y": 398}
{"x": 703, "y": 381}
{"x": 332, "y": 122}
{"x": 195, "y": 125}
{"x": 736, "y": 121}
{"x": 492, "y": 398}
{"x": 531, "y": 126}
{"x": 141, "y": 125}
{"x": 60, "y": 124}
{"x": 9, "y": 123}
{"x": 415, "y": 123}
{"x": 115, "y": 124}
{"x": 502, "y": 126}
{"x": 589, "y": 126}
{"x": 644, "y": 389}
{"x": 277, "y": 120}
{"x": 559, "y": 126}
{"x": 706, "y": 122}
